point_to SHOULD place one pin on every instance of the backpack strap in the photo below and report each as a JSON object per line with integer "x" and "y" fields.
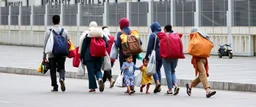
{"x": 61, "y": 31}
{"x": 54, "y": 32}
{"x": 155, "y": 42}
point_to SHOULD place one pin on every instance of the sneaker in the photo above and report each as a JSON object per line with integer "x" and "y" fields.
{"x": 112, "y": 84}
{"x": 157, "y": 89}
{"x": 101, "y": 86}
{"x": 62, "y": 85}
{"x": 54, "y": 90}
{"x": 211, "y": 93}
{"x": 176, "y": 90}
{"x": 168, "y": 92}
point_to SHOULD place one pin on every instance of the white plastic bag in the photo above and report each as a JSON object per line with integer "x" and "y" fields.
{"x": 138, "y": 79}
{"x": 151, "y": 68}
{"x": 119, "y": 80}
{"x": 106, "y": 66}
{"x": 81, "y": 69}
{"x": 113, "y": 52}
{"x": 49, "y": 44}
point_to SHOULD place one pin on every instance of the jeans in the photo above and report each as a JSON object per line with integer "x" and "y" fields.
{"x": 108, "y": 74}
{"x": 157, "y": 75}
{"x": 169, "y": 68}
{"x": 57, "y": 63}
{"x": 94, "y": 69}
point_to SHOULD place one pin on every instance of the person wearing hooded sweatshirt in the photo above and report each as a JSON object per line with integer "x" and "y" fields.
{"x": 93, "y": 63}
{"x": 155, "y": 28}
{"x": 124, "y": 26}
{"x": 201, "y": 66}
{"x": 111, "y": 41}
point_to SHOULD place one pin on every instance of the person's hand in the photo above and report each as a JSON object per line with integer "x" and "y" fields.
{"x": 126, "y": 67}
{"x": 141, "y": 66}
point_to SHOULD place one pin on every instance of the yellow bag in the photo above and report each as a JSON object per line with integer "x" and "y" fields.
{"x": 199, "y": 46}
{"x": 39, "y": 69}
{"x": 71, "y": 45}
{"x": 123, "y": 37}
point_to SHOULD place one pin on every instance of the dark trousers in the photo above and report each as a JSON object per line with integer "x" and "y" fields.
{"x": 57, "y": 64}
{"x": 94, "y": 69}
{"x": 157, "y": 75}
{"x": 108, "y": 74}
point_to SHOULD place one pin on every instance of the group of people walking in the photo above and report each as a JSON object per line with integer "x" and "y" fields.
{"x": 95, "y": 38}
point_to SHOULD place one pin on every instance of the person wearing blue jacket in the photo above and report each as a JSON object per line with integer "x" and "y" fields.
{"x": 155, "y": 28}
{"x": 124, "y": 26}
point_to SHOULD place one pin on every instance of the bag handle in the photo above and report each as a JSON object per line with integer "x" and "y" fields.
{"x": 155, "y": 41}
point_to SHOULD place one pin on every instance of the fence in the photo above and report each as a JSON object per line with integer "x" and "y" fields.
{"x": 212, "y": 13}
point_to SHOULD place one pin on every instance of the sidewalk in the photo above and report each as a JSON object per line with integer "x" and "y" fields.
{"x": 226, "y": 74}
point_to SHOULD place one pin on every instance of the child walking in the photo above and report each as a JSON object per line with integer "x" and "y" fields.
{"x": 128, "y": 69}
{"x": 146, "y": 80}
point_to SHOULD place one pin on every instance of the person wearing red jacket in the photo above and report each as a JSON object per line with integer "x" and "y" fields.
{"x": 111, "y": 41}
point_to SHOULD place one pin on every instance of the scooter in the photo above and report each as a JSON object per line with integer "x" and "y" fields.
{"x": 225, "y": 50}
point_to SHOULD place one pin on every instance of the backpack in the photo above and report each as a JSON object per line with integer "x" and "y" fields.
{"x": 199, "y": 46}
{"x": 60, "y": 47}
{"x": 131, "y": 43}
{"x": 97, "y": 47}
{"x": 170, "y": 45}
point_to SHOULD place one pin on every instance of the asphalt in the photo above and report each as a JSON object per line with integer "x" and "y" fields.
{"x": 238, "y": 69}
{"x": 34, "y": 91}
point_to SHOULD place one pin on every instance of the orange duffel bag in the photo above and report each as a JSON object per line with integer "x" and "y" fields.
{"x": 199, "y": 46}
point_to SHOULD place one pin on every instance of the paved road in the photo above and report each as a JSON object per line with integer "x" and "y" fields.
{"x": 34, "y": 91}
{"x": 238, "y": 69}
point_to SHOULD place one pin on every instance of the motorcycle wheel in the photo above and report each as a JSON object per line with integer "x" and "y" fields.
{"x": 219, "y": 54}
{"x": 230, "y": 55}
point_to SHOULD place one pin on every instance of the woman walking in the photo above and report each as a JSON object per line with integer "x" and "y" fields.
{"x": 93, "y": 62}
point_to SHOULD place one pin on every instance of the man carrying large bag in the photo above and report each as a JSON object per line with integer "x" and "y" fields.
{"x": 199, "y": 48}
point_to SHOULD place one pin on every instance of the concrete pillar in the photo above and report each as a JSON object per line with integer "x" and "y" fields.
{"x": 149, "y": 14}
{"x": 78, "y": 16}
{"x": 31, "y": 21}
{"x": 46, "y": 17}
{"x": 128, "y": 11}
{"x": 61, "y": 13}
{"x": 197, "y": 13}
{"x": 9, "y": 24}
{"x": 19, "y": 24}
{"x": 173, "y": 18}
{"x": 229, "y": 21}
{"x": 105, "y": 15}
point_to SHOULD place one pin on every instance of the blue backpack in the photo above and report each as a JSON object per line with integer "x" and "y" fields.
{"x": 60, "y": 47}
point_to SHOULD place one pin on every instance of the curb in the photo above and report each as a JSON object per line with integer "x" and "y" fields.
{"x": 218, "y": 85}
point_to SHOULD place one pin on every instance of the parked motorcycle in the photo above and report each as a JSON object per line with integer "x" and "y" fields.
{"x": 225, "y": 50}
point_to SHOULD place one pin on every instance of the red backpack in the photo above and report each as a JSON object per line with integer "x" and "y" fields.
{"x": 97, "y": 47}
{"x": 171, "y": 46}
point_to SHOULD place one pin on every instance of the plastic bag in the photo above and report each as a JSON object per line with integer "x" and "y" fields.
{"x": 151, "y": 68}
{"x": 138, "y": 79}
{"x": 119, "y": 80}
{"x": 106, "y": 66}
{"x": 113, "y": 52}
{"x": 49, "y": 44}
{"x": 81, "y": 69}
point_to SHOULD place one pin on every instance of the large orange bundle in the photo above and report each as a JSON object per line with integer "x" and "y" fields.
{"x": 199, "y": 46}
